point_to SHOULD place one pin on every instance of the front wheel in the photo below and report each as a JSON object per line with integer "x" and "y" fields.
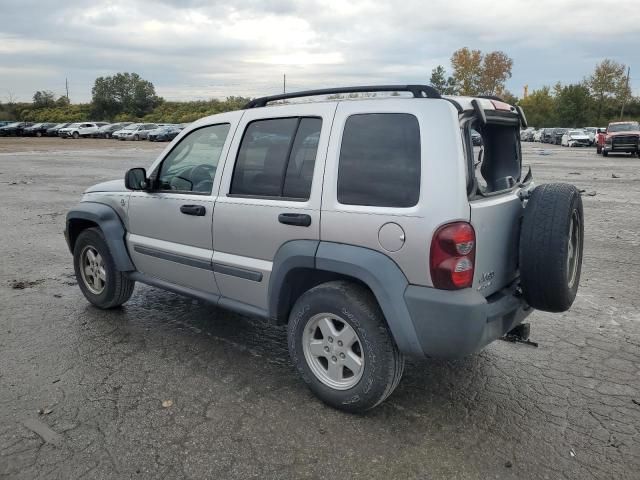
{"x": 341, "y": 345}
{"x": 99, "y": 280}
{"x": 136, "y": 137}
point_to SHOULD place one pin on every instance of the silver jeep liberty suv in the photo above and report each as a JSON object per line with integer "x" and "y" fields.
{"x": 372, "y": 227}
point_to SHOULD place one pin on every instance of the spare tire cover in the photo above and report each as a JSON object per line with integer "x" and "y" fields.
{"x": 551, "y": 244}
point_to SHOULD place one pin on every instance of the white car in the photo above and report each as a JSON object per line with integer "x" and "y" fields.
{"x": 77, "y": 130}
{"x": 140, "y": 132}
{"x": 575, "y": 138}
{"x": 537, "y": 135}
{"x": 592, "y": 132}
{"x": 126, "y": 130}
{"x": 91, "y": 129}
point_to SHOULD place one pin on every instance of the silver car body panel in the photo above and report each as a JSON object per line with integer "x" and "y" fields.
{"x": 165, "y": 243}
{"x": 440, "y": 202}
{"x": 247, "y": 233}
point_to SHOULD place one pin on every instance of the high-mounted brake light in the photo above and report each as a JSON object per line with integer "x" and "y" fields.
{"x": 498, "y": 105}
{"x": 452, "y": 256}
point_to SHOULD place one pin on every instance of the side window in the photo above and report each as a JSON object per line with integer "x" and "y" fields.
{"x": 277, "y": 157}
{"x": 379, "y": 161}
{"x": 191, "y": 165}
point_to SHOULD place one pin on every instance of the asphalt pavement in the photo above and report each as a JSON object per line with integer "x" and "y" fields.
{"x": 169, "y": 387}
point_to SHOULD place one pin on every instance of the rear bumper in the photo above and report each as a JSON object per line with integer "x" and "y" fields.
{"x": 453, "y": 324}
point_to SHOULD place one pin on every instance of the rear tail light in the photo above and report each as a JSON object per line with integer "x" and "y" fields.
{"x": 452, "y": 257}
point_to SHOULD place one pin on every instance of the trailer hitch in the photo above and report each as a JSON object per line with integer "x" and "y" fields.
{"x": 520, "y": 334}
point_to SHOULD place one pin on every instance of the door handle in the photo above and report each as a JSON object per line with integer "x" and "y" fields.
{"x": 297, "y": 219}
{"x": 196, "y": 210}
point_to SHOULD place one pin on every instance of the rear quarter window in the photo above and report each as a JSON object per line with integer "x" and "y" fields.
{"x": 379, "y": 162}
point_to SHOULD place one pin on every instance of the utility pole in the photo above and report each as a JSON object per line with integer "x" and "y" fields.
{"x": 66, "y": 86}
{"x": 626, "y": 91}
{"x": 284, "y": 83}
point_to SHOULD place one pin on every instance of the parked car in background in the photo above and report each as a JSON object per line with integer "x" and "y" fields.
{"x": 476, "y": 138}
{"x": 53, "y": 131}
{"x": 124, "y": 130}
{"x": 591, "y": 131}
{"x": 527, "y": 134}
{"x": 107, "y": 130}
{"x": 622, "y": 137}
{"x": 15, "y": 128}
{"x": 140, "y": 132}
{"x": 547, "y": 135}
{"x": 537, "y": 135}
{"x": 4, "y": 123}
{"x": 91, "y": 129}
{"x": 601, "y": 133}
{"x": 556, "y": 137}
{"x": 76, "y": 130}
{"x": 66, "y": 131}
{"x": 575, "y": 138}
{"x": 37, "y": 130}
{"x": 166, "y": 133}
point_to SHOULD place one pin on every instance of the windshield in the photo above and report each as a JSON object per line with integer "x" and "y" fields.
{"x": 132, "y": 127}
{"x": 576, "y": 132}
{"x": 624, "y": 127}
{"x": 15, "y": 124}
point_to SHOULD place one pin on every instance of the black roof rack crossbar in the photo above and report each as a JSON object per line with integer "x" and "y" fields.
{"x": 418, "y": 91}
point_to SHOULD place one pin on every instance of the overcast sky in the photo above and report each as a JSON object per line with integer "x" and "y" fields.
{"x": 198, "y": 49}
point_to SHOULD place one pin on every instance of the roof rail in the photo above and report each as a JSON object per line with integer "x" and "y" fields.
{"x": 418, "y": 91}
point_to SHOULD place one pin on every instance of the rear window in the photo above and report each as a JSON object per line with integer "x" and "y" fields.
{"x": 497, "y": 162}
{"x": 379, "y": 161}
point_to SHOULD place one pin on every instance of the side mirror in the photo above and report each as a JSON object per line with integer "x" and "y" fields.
{"x": 136, "y": 179}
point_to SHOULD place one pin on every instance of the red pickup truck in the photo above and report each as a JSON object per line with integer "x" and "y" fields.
{"x": 619, "y": 137}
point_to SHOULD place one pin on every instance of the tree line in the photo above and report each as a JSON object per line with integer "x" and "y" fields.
{"x": 601, "y": 97}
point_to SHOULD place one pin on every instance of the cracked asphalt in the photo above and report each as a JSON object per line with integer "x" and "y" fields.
{"x": 168, "y": 387}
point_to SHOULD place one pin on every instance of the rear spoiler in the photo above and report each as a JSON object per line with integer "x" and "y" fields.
{"x": 503, "y": 114}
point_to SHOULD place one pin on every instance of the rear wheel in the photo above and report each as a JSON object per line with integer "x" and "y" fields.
{"x": 551, "y": 244}
{"x": 342, "y": 347}
{"x": 99, "y": 279}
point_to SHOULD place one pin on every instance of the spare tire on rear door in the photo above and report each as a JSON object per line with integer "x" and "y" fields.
{"x": 551, "y": 241}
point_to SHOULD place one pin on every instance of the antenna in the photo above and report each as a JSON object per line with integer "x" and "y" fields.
{"x": 284, "y": 83}
{"x": 66, "y": 86}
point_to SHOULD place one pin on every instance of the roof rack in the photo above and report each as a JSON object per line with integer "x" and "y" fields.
{"x": 418, "y": 91}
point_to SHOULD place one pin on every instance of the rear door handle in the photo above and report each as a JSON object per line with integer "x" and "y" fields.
{"x": 297, "y": 219}
{"x": 196, "y": 210}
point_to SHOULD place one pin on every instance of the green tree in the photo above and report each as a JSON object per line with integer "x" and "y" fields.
{"x": 540, "y": 108}
{"x": 43, "y": 99}
{"x": 126, "y": 93}
{"x": 608, "y": 85}
{"x": 441, "y": 82}
{"x": 573, "y": 106}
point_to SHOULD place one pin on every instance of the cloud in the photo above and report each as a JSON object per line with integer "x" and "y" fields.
{"x": 206, "y": 48}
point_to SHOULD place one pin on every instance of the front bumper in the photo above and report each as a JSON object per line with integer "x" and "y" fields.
{"x": 453, "y": 324}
